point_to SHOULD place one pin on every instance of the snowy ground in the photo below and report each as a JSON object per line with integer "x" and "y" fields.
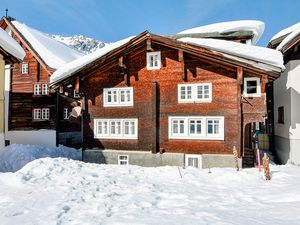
{"x": 61, "y": 191}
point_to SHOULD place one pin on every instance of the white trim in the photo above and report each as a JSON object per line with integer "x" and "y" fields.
{"x": 45, "y": 113}
{"x": 123, "y": 160}
{"x": 24, "y": 68}
{"x": 149, "y": 55}
{"x": 45, "y": 89}
{"x": 122, "y": 135}
{"x": 258, "y": 87}
{"x": 36, "y": 89}
{"x": 117, "y": 95}
{"x": 37, "y": 114}
{"x": 204, "y": 135}
{"x": 194, "y": 93}
{"x": 193, "y": 156}
{"x": 75, "y": 94}
{"x": 66, "y": 113}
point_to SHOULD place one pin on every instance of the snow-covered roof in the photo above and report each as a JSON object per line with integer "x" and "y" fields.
{"x": 70, "y": 68}
{"x": 263, "y": 58}
{"x": 10, "y": 45}
{"x": 52, "y": 52}
{"x": 286, "y": 31}
{"x": 257, "y": 27}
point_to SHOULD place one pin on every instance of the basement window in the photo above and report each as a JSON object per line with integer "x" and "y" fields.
{"x": 24, "y": 68}
{"x": 123, "y": 159}
{"x": 280, "y": 115}
{"x": 252, "y": 87}
{"x": 193, "y": 160}
{"x": 153, "y": 60}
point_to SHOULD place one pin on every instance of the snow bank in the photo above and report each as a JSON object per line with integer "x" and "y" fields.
{"x": 72, "y": 67}
{"x": 54, "y": 53}
{"x": 286, "y": 31}
{"x": 62, "y": 191}
{"x": 257, "y": 27}
{"x": 15, "y": 156}
{"x": 256, "y": 53}
{"x": 10, "y": 45}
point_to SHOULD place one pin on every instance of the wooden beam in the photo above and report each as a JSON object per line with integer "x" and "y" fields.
{"x": 240, "y": 110}
{"x": 183, "y": 65}
{"x": 77, "y": 85}
{"x": 240, "y": 75}
{"x": 154, "y": 144}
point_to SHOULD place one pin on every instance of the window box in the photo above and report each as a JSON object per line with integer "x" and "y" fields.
{"x": 193, "y": 93}
{"x": 252, "y": 87}
{"x": 193, "y": 160}
{"x": 116, "y": 128}
{"x": 196, "y": 127}
{"x": 153, "y": 60}
{"x": 115, "y": 97}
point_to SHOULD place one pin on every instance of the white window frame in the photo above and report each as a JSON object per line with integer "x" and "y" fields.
{"x": 47, "y": 113}
{"x": 24, "y": 68}
{"x": 117, "y": 92}
{"x": 258, "y": 87}
{"x": 123, "y": 160}
{"x": 37, "y": 89}
{"x": 66, "y": 113}
{"x": 151, "y": 54}
{"x": 37, "y": 114}
{"x": 193, "y": 156}
{"x": 45, "y": 89}
{"x": 75, "y": 94}
{"x": 109, "y": 135}
{"x": 204, "y": 128}
{"x": 194, "y": 93}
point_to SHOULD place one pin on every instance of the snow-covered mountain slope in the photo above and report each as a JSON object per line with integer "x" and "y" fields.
{"x": 80, "y": 42}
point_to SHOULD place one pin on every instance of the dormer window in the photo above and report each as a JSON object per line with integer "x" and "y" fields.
{"x": 24, "y": 68}
{"x": 252, "y": 87}
{"x": 153, "y": 60}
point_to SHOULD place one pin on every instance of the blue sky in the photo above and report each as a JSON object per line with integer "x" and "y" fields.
{"x": 112, "y": 20}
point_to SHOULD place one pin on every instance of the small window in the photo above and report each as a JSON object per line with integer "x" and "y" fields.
{"x": 37, "y": 114}
{"x": 24, "y": 68}
{"x": 193, "y": 160}
{"x": 115, "y": 97}
{"x": 153, "y": 60}
{"x": 123, "y": 159}
{"x": 75, "y": 94}
{"x": 36, "y": 89}
{"x": 66, "y": 113}
{"x": 252, "y": 87}
{"x": 45, "y": 90}
{"x": 281, "y": 114}
{"x": 45, "y": 113}
{"x": 191, "y": 93}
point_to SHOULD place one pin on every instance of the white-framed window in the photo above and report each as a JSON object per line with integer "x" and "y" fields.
{"x": 36, "y": 89}
{"x": 153, "y": 60}
{"x": 66, "y": 113}
{"x": 115, "y": 97}
{"x": 196, "y": 127}
{"x": 123, "y": 159}
{"x": 24, "y": 68}
{"x": 75, "y": 94}
{"x": 198, "y": 92}
{"x": 45, "y": 90}
{"x": 45, "y": 113}
{"x": 37, "y": 115}
{"x": 193, "y": 160}
{"x": 116, "y": 128}
{"x": 252, "y": 87}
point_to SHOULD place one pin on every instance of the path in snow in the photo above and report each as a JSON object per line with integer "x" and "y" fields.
{"x": 61, "y": 191}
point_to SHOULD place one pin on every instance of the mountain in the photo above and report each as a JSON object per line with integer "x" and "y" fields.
{"x": 80, "y": 42}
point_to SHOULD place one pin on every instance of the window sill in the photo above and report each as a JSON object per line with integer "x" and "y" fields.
{"x": 114, "y": 138}
{"x": 189, "y": 102}
{"x": 211, "y": 138}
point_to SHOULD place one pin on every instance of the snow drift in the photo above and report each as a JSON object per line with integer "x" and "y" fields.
{"x": 15, "y": 156}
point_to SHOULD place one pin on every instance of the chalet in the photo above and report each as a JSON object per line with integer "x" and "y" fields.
{"x": 287, "y": 96}
{"x": 10, "y": 53}
{"x": 31, "y": 105}
{"x": 152, "y": 100}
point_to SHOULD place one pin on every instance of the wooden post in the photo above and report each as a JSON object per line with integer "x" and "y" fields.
{"x": 77, "y": 85}
{"x": 266, "y": 167}
{"x": 240, "y": 119}
{"x": 183, "y": 66}
{"x": 154, "y": 118}
{"x": 57, "y": 118}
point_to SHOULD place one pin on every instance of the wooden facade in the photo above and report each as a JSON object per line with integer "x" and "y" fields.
{"x": 156, "y": 95}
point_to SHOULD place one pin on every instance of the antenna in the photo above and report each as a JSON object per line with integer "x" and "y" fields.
{"x": 6, "y": 11}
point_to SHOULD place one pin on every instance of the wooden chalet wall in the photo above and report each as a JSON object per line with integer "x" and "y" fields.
{"x": 155, "y": 99}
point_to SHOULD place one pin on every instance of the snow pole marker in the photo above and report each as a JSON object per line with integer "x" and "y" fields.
{"x": 266, "y": 167}
{"x": 258, "y": 160}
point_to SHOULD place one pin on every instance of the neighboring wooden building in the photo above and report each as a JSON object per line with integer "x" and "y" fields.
{"x": 10, "y": 53}
{"x": 287, "y": 96}
{"x": 185, "y": 98}
{"x": 31, "y": 106}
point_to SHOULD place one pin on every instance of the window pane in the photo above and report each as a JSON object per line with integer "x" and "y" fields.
{"x": 181, "y": 126}
{"x": 126, "y": 124}
{"x": 193, "y": 162}
{"x": 206, "y": 91}
{"x": 115, "y": 96}
{"x": 216, "y": 127}
{"x": 128, "y": 96}
{"x": 200, "y": 92}
{"x": 99, "y": 127}
{"x": 182, "y": 92}
{"x": 112, "y": 127}
{"x": 122, "y": 94}
{"x": 189, "y": 92}
{"x": 210, "y": 127}
{"x": 192, "y": 127}
{"x": 251, "y": 87}
{"x": 118, "y": 127}
{"x": 198, "y": 128}
{"x": 105, "y": 127}
{"x": 132, "y": 127}
{"x": 109, "y": 99}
